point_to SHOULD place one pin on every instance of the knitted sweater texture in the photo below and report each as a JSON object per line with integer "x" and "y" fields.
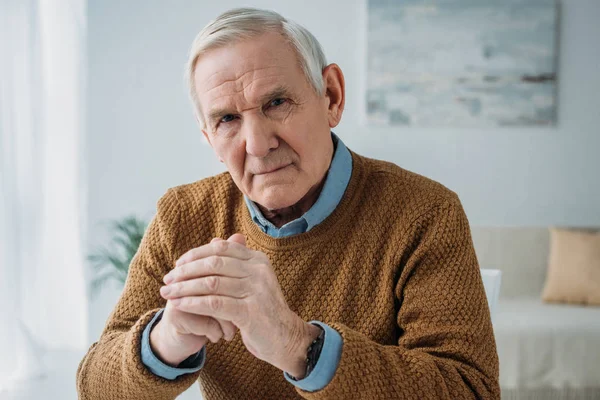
{"x": 392, "y": 269}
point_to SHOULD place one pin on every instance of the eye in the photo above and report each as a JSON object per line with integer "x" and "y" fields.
{"x": 227, "y": 118}
{"x": 277, "y": 102}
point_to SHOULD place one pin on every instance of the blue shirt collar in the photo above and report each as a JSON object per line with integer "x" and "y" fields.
{"x": 333, "y": 190}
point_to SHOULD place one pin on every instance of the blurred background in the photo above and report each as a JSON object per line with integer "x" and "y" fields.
{"x": 96, "y": 125}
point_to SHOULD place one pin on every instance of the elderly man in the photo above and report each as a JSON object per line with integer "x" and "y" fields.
{"x": 328, "y": 274}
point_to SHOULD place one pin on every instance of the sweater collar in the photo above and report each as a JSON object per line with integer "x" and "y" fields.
{"x": 328, "y": 228}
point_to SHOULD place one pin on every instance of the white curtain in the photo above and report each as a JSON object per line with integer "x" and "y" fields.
{"x": 42, "y": 193}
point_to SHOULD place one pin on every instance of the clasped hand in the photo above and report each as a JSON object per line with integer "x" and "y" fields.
{"x": 229, "y": 282}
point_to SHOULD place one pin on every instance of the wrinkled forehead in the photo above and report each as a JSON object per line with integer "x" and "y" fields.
{"x": 245, "y": 71}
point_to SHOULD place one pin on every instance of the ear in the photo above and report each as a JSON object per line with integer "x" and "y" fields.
{"x": 335, "y": 93}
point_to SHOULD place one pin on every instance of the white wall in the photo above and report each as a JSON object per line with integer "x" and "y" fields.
{"x": 142, "y": 136}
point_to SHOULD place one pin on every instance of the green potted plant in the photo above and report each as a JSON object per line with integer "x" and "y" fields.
{"x": 111, "y": 262}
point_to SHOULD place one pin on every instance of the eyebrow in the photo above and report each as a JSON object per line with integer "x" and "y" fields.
{"x": 278, "y": 91}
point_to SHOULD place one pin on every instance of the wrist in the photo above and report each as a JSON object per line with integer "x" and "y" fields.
{"x": 297, "y": 364}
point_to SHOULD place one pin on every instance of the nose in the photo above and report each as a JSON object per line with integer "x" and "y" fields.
{"x": 261, "y": 137}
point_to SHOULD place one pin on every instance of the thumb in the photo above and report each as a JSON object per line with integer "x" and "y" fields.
{"x": 237, "y": 238}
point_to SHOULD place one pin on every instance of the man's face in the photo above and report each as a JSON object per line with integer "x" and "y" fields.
{"x": 264, "y": 120}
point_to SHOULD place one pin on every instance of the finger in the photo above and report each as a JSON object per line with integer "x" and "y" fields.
{"x": 207, "y": 326}
{"x": 214, "y": 284}
{"x": 237, "y": 238}
{"x": 215, "y": 306}
{"x": 216, "y": 239}
{"x": 212, "y": 265}
{"x": 228, "y": 329}
{"x": 216, "y": 248}
{"x": 200, "y": 325}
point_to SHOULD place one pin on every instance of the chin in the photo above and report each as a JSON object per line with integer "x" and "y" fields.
{"x": 278, "y": 196}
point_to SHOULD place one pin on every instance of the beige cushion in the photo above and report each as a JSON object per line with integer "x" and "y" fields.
{"x": 573, "y": 267}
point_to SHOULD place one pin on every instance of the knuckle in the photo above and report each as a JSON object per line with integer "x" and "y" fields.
{"x": 212, "y": 284}
{"x": 214, "y": 303}
{"x": 221, "y": 246}
{"x": 181, "y": 270}
{"x": 215, "y": 263}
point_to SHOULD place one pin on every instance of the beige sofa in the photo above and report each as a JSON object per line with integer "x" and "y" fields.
{"x": 547, "y": 351}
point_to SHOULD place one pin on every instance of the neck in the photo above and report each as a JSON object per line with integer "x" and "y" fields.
{"x": 284, "y": 215}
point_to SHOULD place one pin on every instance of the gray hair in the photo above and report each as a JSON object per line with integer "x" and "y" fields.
{"x": 245, "y": 23}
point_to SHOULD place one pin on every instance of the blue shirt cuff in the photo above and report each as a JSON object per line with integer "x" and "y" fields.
{"x": 192, "y": 364}
{"x": 327, "y": 363}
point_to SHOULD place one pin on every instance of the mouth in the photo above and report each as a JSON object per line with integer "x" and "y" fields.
{"x": 270, "y": 171}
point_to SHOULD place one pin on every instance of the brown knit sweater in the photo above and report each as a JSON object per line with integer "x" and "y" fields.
{"x": 392, "y": 269}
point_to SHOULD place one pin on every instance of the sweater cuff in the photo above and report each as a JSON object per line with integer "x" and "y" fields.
{"x": 190, "y": 365}
{"x": 327, "y": 363}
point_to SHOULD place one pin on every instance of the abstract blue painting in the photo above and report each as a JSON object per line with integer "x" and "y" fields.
{"x": 471, "y": 63}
